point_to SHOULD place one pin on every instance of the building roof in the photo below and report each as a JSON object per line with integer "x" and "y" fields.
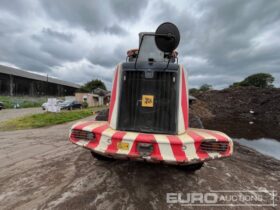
{"x": 192, "y": 98}
{"x": 100, "y": 91}
{"x": 29, "y": 75}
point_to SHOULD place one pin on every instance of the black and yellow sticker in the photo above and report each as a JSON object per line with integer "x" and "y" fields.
{"x": 147, "y": 101}
{"x": 123, "y": 146}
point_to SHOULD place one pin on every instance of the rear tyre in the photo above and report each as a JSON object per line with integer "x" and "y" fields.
{"x": 193, "y": 167}
{"x": 100, "y": 157}
{"x": 102, "y": 115}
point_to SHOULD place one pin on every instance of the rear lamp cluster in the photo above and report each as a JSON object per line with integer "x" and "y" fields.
{"x": 83, "y": 135}
{"x": 145, "y": 149}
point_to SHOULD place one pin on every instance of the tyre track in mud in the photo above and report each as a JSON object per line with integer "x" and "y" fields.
{"x": 41, "y": 169}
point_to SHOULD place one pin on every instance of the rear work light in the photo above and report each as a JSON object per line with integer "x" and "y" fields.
{"x": 83, "y": 135}
{"x": 145, "y": 149}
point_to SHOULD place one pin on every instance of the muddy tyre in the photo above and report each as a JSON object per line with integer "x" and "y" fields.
{"x": 102, "y": 115}
{"x": 101, "y": 157}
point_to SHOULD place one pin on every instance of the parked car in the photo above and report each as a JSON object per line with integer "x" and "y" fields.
{"x": 1, "y": 105}
{"x": 44, "y": 105}
{"x": 70, "y": 105}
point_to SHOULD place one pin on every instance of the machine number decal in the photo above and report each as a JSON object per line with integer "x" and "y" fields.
{"x": 123, "y": 146}
{"x": 147, "y": 101}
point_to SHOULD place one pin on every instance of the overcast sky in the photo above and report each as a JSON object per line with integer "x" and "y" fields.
{"x": 79, "y": 40}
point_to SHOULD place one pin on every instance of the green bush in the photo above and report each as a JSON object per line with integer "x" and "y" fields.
{"x": 46, "y": 119}
{"x": 261, "y": 80}
{"x": 205, "y": 87}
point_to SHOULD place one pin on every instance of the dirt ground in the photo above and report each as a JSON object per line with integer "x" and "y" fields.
{"x": 41, "y": 169}
{"x": 7, "y": 114}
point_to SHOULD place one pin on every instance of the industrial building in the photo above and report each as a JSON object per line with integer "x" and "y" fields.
{"x": 15, "y": 82}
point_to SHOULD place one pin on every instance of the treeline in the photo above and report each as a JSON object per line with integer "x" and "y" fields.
{"x": 260, "y": 80}
{"x": 92, "y": 85}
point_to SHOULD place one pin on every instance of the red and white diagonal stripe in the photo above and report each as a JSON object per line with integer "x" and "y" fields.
{"x": 183, "y": 148}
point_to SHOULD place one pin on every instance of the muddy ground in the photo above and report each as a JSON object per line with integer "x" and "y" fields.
{"x": 40, "y": 169}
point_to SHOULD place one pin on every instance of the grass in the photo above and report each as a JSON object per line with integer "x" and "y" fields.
{"x": 24, "y": 101}
{"x": 46, "y": 119}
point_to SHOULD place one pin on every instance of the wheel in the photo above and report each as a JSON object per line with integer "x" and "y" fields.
{"x": 102, "y": 115}
{"x": 193, "y": 167}
{"x": 100, "y": 157}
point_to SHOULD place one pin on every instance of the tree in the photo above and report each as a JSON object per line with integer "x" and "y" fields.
{"x": 261, "y": 80}
{"x": 193, "y": 91}
{"x": 205, "y": 87}
{"x": 93, "y": 84}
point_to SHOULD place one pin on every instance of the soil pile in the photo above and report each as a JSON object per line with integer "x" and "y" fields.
{"x": 248, "y": 103}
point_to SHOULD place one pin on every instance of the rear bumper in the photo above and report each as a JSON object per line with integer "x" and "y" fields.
{"x": 170, "y": 149}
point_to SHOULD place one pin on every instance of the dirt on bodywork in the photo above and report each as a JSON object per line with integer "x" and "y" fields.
{"x": 40, "y": 169}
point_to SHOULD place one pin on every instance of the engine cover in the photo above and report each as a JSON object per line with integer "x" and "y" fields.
{"x": 148, "y": 99}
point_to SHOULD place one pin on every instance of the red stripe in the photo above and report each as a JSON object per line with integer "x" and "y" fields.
{"x": 176, "y": 145}
{"x": 116, "y": 138}
{"x": 197, "y": 141}
{"x": 216, "y": 135}
{"x": 82, "y": 125}
{"x": 184, "y": 103}
{"x": 113, "y": 96}
{"x": 98, "y": 132}
{"x": 146, "y": 138}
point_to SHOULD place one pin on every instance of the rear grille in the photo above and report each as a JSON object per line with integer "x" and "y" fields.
{"x": 160, "y": 118}
{"x": 213, "y": 146}
{"x": 83, "y": 135}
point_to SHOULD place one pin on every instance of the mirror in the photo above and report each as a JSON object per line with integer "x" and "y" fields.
{"x": 167, "y": 37}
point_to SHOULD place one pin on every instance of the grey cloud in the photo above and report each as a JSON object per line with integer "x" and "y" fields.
{"x": 59, "y": 45}
{"x": 222, "y": 40}
{"x": 90, "y": 15}
{"x": 115, "y": 29}
{"x": 222, "y": 34}
{"x": 94, "y": 16}
{"x": 62, "y": 36}
{"x": 108, "y": 58}
{"x": 17, "y": 7}
{"x": 128, "y": 10}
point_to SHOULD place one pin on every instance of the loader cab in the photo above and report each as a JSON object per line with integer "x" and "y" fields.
{"x": 149, "y": 52}
{"x": 149, "y": 88}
